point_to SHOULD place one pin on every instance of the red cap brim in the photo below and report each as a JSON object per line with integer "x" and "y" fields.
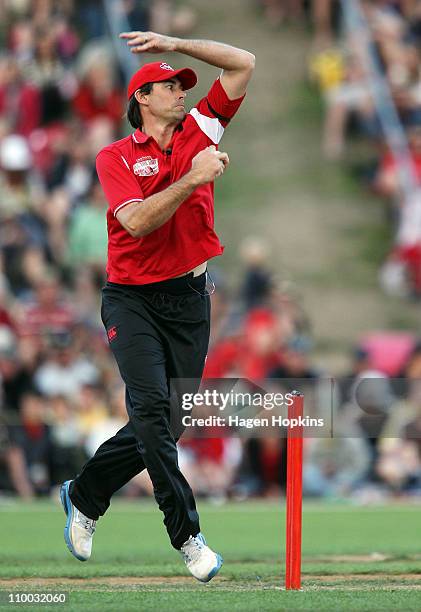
{"x": 187, "y": 76}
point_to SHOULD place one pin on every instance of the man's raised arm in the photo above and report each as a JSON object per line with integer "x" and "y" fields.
{"x": 237, "y": 64}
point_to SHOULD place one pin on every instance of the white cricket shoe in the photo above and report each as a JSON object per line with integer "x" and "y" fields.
{"x": 79, "y": 528}
{"x": 200, "y": 560}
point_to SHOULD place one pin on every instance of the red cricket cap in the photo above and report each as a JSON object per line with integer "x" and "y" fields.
{"x": 160, "y": 71}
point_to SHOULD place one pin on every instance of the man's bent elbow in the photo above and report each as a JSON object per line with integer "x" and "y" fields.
{"x": 139, "y": 230}
{"x": 136, "y": 231}
{"x": 251, "y": 60}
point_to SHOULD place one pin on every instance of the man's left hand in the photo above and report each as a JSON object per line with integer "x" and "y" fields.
{"x": 148, "y": 42}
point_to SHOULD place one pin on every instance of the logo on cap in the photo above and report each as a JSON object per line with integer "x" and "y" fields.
{"x": 165, "y": 66}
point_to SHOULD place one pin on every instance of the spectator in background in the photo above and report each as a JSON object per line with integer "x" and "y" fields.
{"x": 361, "y": 362}
{"x": 49, "y": 312}
{"x": 21, "y": 194}
{"x": 276, "y": 12}
{"x": 33, "y": 436}
{"x": 64, "y": 372}
{"x": 334, "y": 467}
{"x": 368, "y": 413}
{"x": 18, "y": 365}
{"x": 17, "y": 95}
{"x": 21, "y": 40}
{"x": 349, "y": 98}
{"x": 46, "y": 72}
{"x": 98, "y": 422}
{"x": 98, "y": 95}
{"x": 295, "y": 363}
{"x": 257, "y": 280}
{"x": 210, "y": 464}
{"x": 87, "y": 283}
{"x": 386, "y": 180}
{"x": 13, "y": 472}
{"x": 412, "y": 368}
{"x": 92, "y": 411}
{"x": 66, "y": 438}
{"x": 88, "y": 231}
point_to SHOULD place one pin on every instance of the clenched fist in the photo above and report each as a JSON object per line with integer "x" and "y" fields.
{"x": 208, "y": 164}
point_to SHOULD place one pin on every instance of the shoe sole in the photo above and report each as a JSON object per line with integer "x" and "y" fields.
{"x": 215, "y": 570}
{"x": 68, "y": 509}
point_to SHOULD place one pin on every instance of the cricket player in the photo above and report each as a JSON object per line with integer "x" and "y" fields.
{"x": 155, "y": 307}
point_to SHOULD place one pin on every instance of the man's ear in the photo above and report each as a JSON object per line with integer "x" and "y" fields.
{"x": 142, "y": 98}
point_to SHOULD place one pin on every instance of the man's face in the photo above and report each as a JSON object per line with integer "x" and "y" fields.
{"x": 166, "y": 101}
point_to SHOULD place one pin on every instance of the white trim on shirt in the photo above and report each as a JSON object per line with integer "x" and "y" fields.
{"x": 126, "y": 202}
{"x": 211, "y": 126}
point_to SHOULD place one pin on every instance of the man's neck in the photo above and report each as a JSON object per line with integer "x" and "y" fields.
{"x": 162, "y": 134}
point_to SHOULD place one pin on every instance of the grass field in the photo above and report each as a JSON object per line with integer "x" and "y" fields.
{"x": 354, "y": 559}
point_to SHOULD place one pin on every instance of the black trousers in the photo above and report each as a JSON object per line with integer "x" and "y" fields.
{"x": 157, "y": 332}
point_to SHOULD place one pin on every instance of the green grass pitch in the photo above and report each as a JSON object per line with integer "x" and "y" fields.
{"x": 354, "y": 558}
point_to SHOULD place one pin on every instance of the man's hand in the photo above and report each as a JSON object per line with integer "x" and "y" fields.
{"x": 148, "y": 42}
{"x": 208, "y": 165}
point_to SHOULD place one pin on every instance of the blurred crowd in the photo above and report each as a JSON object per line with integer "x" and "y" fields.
{"x": 351, "y": 56}
{"x": 61, "y": 100}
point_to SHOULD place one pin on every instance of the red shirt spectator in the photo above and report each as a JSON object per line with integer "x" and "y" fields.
{"x": 20, "y": 106}
{"x": 88, "y": 105}
{"x": 48, "y": 314}
{"x": 98, "y": 95}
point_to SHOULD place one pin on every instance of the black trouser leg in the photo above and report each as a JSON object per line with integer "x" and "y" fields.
{"x": 116, "y": 462}
{"x": 158, "y": 336}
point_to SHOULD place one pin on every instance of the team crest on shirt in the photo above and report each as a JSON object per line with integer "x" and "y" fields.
{"x": 146, "y": 166}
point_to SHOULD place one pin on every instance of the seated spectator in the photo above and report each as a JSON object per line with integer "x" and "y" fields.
{"x": 276, "y": 12}
{"x": 387, "y": 180}
{"x": 257, "y": 280}
{"x": 46, "y": 72}
{"x": 412, "y": 367}
{"x": 21, "y": 40}
{"x": 49, "y": 312}
{"x": 210, "y": 465}
{"x": 72, "y": 168}
{"x": 64, "y": 372}
{"x": 33, "y": 436}
{"x": 295, "y": 361}
{"x": 97, "y": 421}
{"x": 334, "y": 467}
{"x": 88, "y": 231}
{"x": 92, "y": 413}
{"x": 13, "y": 473}
{"x": 16, "y": 97}
{"x": 18, "y": 364}
{"x": 398, "y": 465}
{"x": 361, "y": 362}
{"x": 66, "y": 437}
{"x": 369, "y": 412}
{"x": 20, "y": 192}
{"x": 86, "y": 291}
{"x": 98, "y": 95}
{"x": 262, "y": 470}
{"x": 349, "y": 98}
